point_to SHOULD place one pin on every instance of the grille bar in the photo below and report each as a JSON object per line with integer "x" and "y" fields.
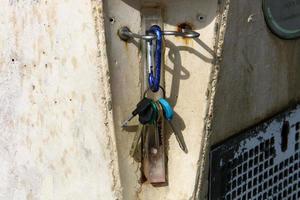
{"x": 261, "y": 163}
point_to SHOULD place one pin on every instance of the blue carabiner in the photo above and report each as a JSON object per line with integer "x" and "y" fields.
{"x": 154, "y": 81}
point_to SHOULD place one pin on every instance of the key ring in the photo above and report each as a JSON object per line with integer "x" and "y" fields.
{"x": 154, "y": 79}
{"x": 160, "y": 87}
{"x": 167, "y": 109}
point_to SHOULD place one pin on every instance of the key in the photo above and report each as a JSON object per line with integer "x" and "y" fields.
{"x": 159, "y": 120}
{"x": 145, "y": 143}
{"x": 140, "y": 107}
{"x": 156, "y": 132}
{"x": 146, "y": 117}
{"x": 179, "y": 137}
{"x": 136, "y": 140}
{"x": 157, "y": 128}
{"x": 149, "y": 115}
{"x": 168, "y": 114}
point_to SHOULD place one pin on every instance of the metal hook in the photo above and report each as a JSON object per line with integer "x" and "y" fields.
{"x": 125, "y": 34}
{"x": 186, "y": 33}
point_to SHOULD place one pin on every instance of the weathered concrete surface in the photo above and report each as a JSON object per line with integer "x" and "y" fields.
{"x": 259, "y": 73}
{"x": 256, "y": 76}
{"x": 57, "y": 136}
{"x": 188, "y": 66}
{"x": 56, "y": 133}
{"x": 124, "y": 62}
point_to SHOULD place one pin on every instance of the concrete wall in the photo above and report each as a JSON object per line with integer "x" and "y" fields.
{"x": 188, "y": 67}
{"x": 58, "y": 122}
{"x": 56, "y": 134}
{"x": 259, "y": 73}
{"x": 256, "y": 76}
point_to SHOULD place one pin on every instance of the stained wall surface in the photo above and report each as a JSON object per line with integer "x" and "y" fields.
{"x": 58, "y": 122}
{"x": 187, "y": 68}
{"x": 257, "y": 75}
{"x": 56, "y": 134}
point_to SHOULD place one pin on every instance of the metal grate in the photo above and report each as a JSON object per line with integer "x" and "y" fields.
{"x": 262, "y": 163}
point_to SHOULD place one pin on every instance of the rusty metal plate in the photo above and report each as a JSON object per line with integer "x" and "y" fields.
{"x": 261, "y": 163}
{"x": 283, "y": 17}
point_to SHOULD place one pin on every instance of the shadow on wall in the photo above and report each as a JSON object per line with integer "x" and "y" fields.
{"x": 179, "y": 72}
{"x": 202, "y": 13}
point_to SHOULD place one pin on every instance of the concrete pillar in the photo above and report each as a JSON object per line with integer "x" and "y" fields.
{"x": 56, "y": 135}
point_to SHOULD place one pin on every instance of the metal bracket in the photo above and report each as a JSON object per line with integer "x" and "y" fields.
{"x": 185, "y": 33}
{"x": 153, "y": 162}
{"x": 126, "y": 34}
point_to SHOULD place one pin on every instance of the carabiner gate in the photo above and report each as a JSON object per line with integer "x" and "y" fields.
{"x": 154, "y": 79}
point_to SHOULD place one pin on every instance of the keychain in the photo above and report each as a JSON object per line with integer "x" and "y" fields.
{"x": 153, "y": 109}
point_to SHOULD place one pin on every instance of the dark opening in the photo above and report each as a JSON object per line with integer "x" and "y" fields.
{"x": 285, "y": 135}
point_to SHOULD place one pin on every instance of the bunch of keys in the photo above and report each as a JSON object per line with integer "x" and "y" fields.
{"x": 150, "y": 112}
{"x": 152, "y": 138}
